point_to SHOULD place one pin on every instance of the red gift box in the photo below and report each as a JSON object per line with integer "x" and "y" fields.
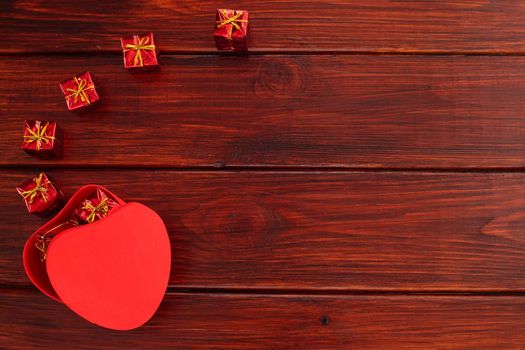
{"x": 113, "y": 272}
{"x": 139, "y": 51}
{"x": 95, "y": 207}
{"x": 231, "y": 30}
{"x": 79, "y": 91}
{"x": 42, "y": 139}
{"x": 40, "y": 194}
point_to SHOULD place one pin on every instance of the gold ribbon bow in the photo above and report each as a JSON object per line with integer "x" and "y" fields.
{"x": 80, "y": 91}
{"x": 141, "y": 44}
{"x": 233, "y": 20}
{"x": 39, "y": 189}
{"x": 100, "y": 208}
{"x": 38, "y": 136}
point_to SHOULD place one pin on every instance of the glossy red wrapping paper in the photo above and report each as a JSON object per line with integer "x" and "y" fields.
{"x": 139, "y": 51}
{"x": 40, "y": 194}
{"x": 42, "y": 139}
{"x": 231, "y": 30}
{"x": 95, "y": 207}
{"x": 79, "y": 91}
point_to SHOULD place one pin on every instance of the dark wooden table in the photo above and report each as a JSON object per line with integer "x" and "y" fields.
{"x": 356, "y": 182}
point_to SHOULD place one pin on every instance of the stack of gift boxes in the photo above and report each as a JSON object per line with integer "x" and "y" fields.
{"x": 45, "y": 139}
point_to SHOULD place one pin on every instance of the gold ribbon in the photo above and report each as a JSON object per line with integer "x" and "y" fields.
{"x": 100, "y": 208}
{"x": 141, "y": 44}
{"x": 80, "y": 91}
{"x": 233, "y": 20}
{"x": 38, "y": 136}
{"x": 43, "y": 239}
{"x": 38, "y": 189}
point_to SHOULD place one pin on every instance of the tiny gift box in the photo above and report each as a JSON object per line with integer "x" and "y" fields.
{"x": 139, "y": 51}
{"x": 42, "y": 139}
{"x": 231, "y": 30}
{"x": 40, "y": 194}
{"x": 95, "y": 207}
{"x": 79, "y": 91}
{"x": 113, "y": 271}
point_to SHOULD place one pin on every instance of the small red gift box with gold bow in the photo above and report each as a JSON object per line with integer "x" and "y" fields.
{"x": 231, "y": 30}
{"x": 79, "y": 91}
{"x": 95, "y": 207}
{"x": 139, "y": 51}
{"x": 40, "y": 194}
{"x": 42, "y": 139}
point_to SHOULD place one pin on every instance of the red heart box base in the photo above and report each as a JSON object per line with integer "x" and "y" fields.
{"x": 113, "y": 272}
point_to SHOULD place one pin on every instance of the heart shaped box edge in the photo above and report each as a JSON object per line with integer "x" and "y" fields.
{"x": 38, "y": 272}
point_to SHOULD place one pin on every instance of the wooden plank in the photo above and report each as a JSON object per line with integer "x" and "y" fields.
{"x": 315, "y": 231}
{"x": 203, "y": 321}
{"x": 337, "y": 111}
{"x": 277, "y": 26}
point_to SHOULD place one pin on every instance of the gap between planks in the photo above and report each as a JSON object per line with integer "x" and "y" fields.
{"x": 273, "y": 52}
{"x": 261, "y": 168}
{"x": 306, "y": 292}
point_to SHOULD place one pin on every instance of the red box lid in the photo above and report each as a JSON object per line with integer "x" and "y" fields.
{"x": 113, "y": 272}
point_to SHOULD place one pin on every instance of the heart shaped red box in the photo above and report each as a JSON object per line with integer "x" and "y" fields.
{"x": 113, "y": 272}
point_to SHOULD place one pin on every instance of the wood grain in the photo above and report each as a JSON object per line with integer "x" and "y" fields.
{"x": 314, "y": 231}
{"x": 281, "y": 111}
{"x": 331, "y": 25}
{"x": 193, "y": 321}
{"x": 377, "y": 200}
